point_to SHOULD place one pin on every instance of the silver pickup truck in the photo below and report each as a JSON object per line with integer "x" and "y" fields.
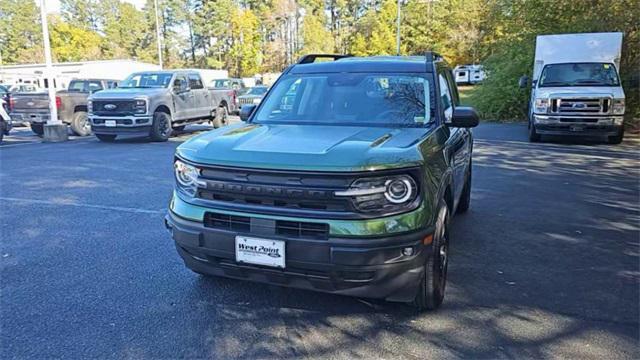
{"x": 156, "y": 103}
{"x": 33, "y": 107}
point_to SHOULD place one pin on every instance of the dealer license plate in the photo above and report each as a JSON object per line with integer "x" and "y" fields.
{"x": 260, "y": 251}
{"x": 110, "y": 123}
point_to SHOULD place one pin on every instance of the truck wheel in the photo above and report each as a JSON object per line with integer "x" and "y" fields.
{"x": 533, "y": 134}
{"x": 465, "y": 198}
{"x": 161, "y": 127}
{"x": 80, "y": 124}
{"x": 616, "y": 139}
{"x": 106, "y": 137}
{"x": 2, "y": 130}
{"x": 220, "y": 119}
{"x": 434, "y": 279}
{"x": 37, "y": 128}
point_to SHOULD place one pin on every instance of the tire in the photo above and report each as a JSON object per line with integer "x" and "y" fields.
{"x": 616, "y": 139}
{"x": 179, "y": 128}
{"x": 465, "y": 198}
{"x": 434, "y": 279}
{"x": 533, "y": 134}
{"x": 2, "y": 130}
{"x": 161, "y": 127}
{"x": 220, "y": 119}
{"x": 80, "y": 124}
{"x": 106, "y": 137}
{"x": 37, "y": 128}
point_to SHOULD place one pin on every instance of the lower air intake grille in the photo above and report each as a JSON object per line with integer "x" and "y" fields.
{"x": 227, "y": 222}
{"x": 302, "y": 229}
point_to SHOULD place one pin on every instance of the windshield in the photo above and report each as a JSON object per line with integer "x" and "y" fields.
{"x": 147, "y": 80}
{"x": 394, "y": 100}
{"x": 257, "y": 91}
{"x": 579, "y": 74}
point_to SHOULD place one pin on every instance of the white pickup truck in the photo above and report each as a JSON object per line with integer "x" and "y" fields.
{"x": 576, "y": 87}
{"x": 155, "y": 103}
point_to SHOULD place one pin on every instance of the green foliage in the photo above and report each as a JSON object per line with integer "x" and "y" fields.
{"x": 71, "y": 43}
{"x": 21, "y": 39}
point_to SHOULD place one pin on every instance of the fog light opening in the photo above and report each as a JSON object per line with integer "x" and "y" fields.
{"x": 428, "y": 239}
{"x": 408, "y": 251}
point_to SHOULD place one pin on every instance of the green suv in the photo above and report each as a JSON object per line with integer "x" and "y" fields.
{"x": 343, "y": 179}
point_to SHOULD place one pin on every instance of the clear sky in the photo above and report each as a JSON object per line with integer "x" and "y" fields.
{"x": 54, "y": 5}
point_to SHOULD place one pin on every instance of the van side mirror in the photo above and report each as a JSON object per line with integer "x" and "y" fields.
{"x": 464, "y": 117}
{"x": 524, "y": 80}
{"x": 246, "y": 111}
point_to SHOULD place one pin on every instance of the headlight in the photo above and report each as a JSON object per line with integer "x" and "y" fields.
{"x": 140, "y": 106}
{"x": 618, "y": 106}
{"x": 256, "y": 101}
{"x": 89, "y": 106}
{"x": 383, "y": 194}
{"x": 186, "y": 177}
{"x": 541, "y": 105}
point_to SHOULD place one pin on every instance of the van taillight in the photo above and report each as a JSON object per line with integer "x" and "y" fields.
{"x": 58, "y": 102}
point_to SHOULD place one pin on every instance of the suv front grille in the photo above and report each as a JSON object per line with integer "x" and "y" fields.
{"x": 299, "y": 229}
{"x": 278, "y": 190}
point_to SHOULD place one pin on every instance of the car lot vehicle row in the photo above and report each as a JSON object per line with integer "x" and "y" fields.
{"x": 33, "y": 107}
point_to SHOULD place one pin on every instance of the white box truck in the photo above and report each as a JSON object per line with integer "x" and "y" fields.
{"x": 575, "y": 88}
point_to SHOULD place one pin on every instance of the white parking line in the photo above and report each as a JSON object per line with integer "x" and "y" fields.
{"x": 91, "y": 206}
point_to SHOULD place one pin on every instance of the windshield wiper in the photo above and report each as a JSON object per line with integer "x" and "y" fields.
{"x": 589, "y": 81}
{"x": 555, "y": 83}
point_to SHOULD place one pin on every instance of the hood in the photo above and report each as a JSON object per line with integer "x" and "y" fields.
{"x": 587, "y": 91}
{"x": 126, "y": 93}
{"x": 307, "y": 147}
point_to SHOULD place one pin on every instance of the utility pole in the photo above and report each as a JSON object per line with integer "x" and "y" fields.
{"x": 54, "y": 129}
{"x": 398, "y": 31}
{"x": 155, "y": 2}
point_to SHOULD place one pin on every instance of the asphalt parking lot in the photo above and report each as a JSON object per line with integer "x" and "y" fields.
{"x": 545, "y": 263}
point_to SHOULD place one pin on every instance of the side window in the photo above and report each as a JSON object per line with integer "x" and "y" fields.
{"x": 446, "y": 100}
{"x": 95, "y": 86}
{"x": 195, "y": 82}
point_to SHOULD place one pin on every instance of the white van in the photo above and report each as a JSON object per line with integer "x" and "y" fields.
{"x": 576, "y": 87}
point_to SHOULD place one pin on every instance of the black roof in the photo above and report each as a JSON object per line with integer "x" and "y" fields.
{"x": 409, "y": 64}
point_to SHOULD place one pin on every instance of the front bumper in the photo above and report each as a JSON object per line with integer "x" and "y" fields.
{"x": 373, "y": 267}
{"x": 125, "y": 125}
{"x": 578, "y": 125}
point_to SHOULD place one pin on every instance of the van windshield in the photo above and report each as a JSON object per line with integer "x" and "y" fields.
{"x": 393, "y": 100}
{"x": 579, "y": 74}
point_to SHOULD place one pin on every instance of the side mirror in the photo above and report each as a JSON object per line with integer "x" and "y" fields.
{"x": 524, "y": 80}
{"x": 464, "y": 117}
{"x": 246, "y": 111}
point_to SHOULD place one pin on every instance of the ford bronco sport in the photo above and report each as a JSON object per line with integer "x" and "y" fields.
{"x": 343, "y": 179}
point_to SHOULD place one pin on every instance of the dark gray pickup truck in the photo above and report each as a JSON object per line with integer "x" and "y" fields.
{"x": 71, "y": 103}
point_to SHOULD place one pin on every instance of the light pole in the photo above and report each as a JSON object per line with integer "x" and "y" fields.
{"x": 155, "y": 3}
{"x": 54, "y": 129}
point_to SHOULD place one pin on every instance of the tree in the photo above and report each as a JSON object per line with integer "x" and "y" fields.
{"x": 20, "y": 32}
{"x": 72, "y": 43}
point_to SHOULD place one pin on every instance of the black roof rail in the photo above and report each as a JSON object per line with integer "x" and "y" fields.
{"x": 311, "y": 58}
